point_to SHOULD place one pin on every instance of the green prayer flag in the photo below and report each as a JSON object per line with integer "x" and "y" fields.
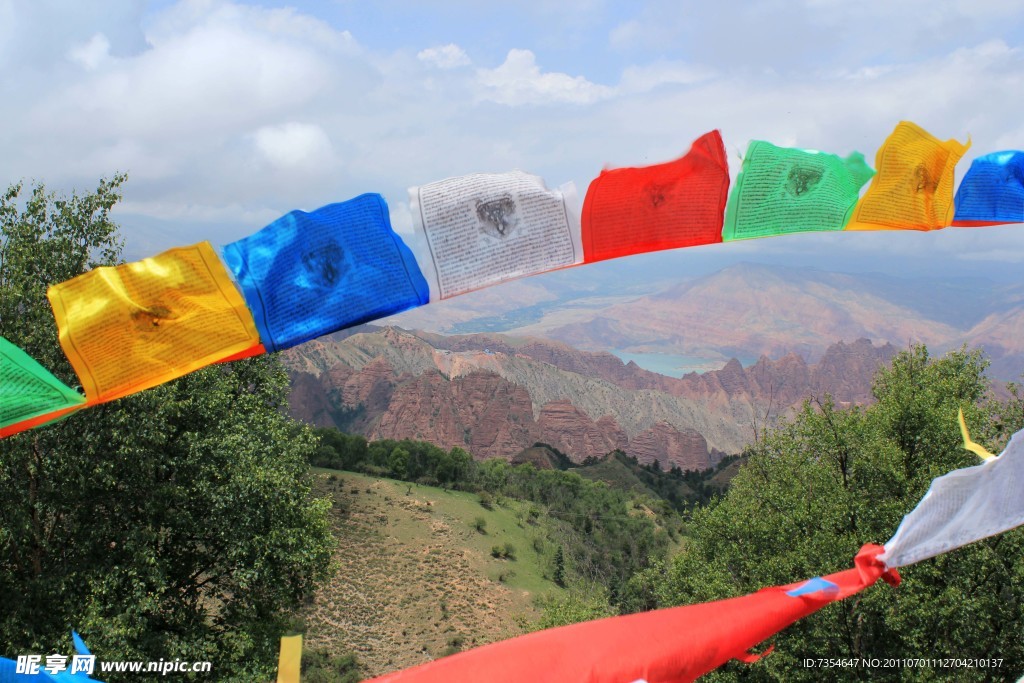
{"x": 782, "y": 190}
{"x": 28, "y": 393}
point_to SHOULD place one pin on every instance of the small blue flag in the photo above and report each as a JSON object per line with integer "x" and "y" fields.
{"x": 993, "y": 190}
{"x": 815, "y": 585}
{"x": 79, "y": 643}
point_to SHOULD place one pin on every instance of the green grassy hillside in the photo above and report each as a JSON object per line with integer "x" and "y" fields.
{"x": 617, "y": 474}
{"x": 416, "y": 579}
{"x": 622, "y": 472}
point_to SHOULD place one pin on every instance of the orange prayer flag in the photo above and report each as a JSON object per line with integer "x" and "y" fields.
{"x": 665, "y": 206}
{"x": 134, "y": 326}
{"x": 914, "y": 186}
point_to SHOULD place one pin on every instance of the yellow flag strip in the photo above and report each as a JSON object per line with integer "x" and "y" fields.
{"x": 970, "y": 445}
{"x": 289, "y": 663}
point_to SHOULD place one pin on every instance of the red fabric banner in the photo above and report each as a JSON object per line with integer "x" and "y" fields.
{"x": 663, "y": 646}
{"x": 666, "y": 206}
{"x": 37, "y": 421}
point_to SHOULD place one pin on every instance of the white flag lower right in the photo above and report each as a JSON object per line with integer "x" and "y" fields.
{"x": 962, "y": 507}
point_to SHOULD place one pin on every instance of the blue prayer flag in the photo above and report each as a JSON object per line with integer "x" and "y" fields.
{"x": 308, "y": 274}
{"x": 992, "y": 191}
{"x": 79, "y": 643}
{"x": 815, "y": 585}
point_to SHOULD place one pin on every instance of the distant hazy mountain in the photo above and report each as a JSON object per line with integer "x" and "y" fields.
{"x": 746, "y": 310}
{"x": 552, "y": 376}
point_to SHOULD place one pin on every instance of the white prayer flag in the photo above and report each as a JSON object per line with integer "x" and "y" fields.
{"x": 962, "y": 507}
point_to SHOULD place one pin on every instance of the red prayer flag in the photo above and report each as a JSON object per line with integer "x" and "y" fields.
{"x": 37, "y": 421}
{"x": 256, "y": 350}
{"x": 663, "y": 646}
{"x": 665, "y": 206}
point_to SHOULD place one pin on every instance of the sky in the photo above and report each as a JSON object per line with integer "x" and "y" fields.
{"x": 226, "y": 115}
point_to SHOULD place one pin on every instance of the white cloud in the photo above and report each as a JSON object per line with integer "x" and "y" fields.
{"x": 520, "y": 81}
{"x": 40, "y": 34}
{"x": 146, "y": 162}
{"x": 285, "y": 24}
{"x": 92, "y": 53}
{"x": 801, "y": 37}
{"x": 212, "y": 76}
{"x": 627, "y": 34}
{"x": 212, "y": 71}
{"x": 199, "y": 213}
{"x": 447, "y": 56}
{"x": 295, "y": 145}
{"x": 227, "y": 103}
{"x": 638, "y": 79}
{"x": 401, "y": 218}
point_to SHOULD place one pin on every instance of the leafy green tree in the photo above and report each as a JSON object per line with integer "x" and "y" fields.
{"x": 559, "y": 568}
{"x": 338, "y": 450}
{"x": 378, "y": 454}
{"x": 457, "y": 466}
{"x": 581, "y": 602}
{"x": 818, "y": 488}
{"x": 398, "y": 462}
{"x": 175, "y": 523}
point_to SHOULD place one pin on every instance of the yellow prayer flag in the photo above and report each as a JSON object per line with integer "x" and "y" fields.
{"x": 969, "y": 443}
{"x": 289, "y": 663}
{"x": 134, "y": 326}
{"x": 913, "y": 189}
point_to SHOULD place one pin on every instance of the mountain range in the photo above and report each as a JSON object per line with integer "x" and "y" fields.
{"x": 745, "y": 311}
{"x": 549, "y": 376}
{"x": 496, "y": 395}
